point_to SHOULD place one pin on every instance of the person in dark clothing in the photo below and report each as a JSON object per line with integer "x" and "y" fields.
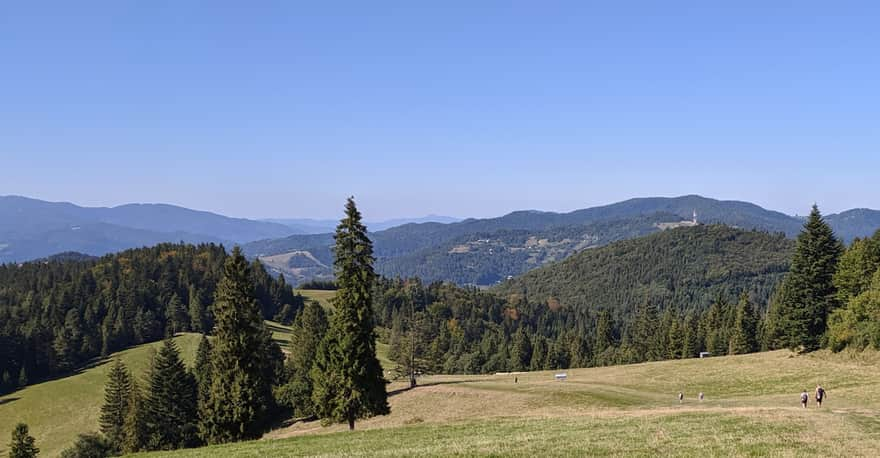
{"x": 805, "y": 397}
{"x": 820, "y": 395}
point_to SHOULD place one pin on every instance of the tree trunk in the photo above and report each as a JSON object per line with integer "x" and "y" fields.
{"x": 351, "y": 424}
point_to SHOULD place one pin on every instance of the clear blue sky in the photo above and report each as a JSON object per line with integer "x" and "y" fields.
{"x": 281, "y": 109}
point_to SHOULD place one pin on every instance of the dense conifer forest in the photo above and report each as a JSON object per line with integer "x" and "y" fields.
{"x": 56, "y": 315}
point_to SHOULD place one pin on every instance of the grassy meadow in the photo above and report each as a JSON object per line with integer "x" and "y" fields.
{"x": 57, "y": 411}
{"x": 751, "y": 408}
{"x": 323, "y": 297}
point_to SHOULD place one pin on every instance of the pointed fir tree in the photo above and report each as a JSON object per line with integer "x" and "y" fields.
{"x": 117, "y": 397}
{"x": 196, "y": 311}
{"x": 521, "y": 350}
{"x": 807, "y": 294}
{"x": 202, "y": 373}
{"x": 539, "y": 353}
{"x": 134, "y": 437}
{"x": 690, "y": 338}
{"x": 309, "y": 328}
{"x": 170, "y": 403}
{"x": 604, "y": 339}
{"x": 744, "y": 338}
{"x": 674, "y": 339}
{"x": 176, "y": 316}
{"x": 347, "y": 377}
{"x": 243, "y": 357}
{"x": 645, "y": 337}
{"x": 23, "y": 445}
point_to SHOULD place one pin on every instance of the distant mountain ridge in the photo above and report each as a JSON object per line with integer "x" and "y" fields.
{"x": 323, "y": 226}
{"x": 437, "y": 251}
{"x": 476, "y": 251}
{"x": 32, "y": 229}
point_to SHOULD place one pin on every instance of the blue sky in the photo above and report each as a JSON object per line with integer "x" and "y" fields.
{"x": 281, "y": 109}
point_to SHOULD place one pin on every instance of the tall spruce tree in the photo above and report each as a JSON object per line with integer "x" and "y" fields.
{"x": 521, "y": 350}
{"x": 604, "y": 333}
{"x": 690, "y": 338}
{"x": 170, "y": 403}
{"x": 243, "y": 359}
{"x": 134, "y": 427}
{"x": 808, "y": 295}
{"x": 308, "y": 330}
{"x": 203, "y": 374}
{"x": 117, "y": 402}
{"x": 347, "y": 377}
{"x": 23, "y": 444}
{"x": 744, "y": 337}
{"x": 645, "y": 337}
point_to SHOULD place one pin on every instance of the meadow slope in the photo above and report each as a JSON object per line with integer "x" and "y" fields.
{"x": 58, "y": 410}
{"x": 751, "y": 408}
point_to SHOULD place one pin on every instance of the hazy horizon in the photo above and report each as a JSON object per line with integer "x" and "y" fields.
{"x": 368, "y": 219}
{"x": 284, "y": 110}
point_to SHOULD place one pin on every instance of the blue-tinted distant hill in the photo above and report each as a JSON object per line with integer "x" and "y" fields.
{"x": 483, "y": 251}
{"x": 31, "y": 228}
{"x": 323, "y": 226}
{"x": 859, "y": 222}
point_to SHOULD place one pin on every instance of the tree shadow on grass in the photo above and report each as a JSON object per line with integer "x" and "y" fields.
{"x": 8, "y": 400}
{"x": 448, "y": 382}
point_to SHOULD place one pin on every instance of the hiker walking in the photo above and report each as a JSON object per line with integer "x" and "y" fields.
{"x": 680, "y": 397}
{"x": 804, "y": 398}
{"x": 820, "y": 395}
{"x": 701, "y": 396}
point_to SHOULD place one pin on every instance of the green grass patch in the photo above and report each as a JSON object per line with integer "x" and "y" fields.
{"x": 57, "y": 411}
{"x": 321, "y": 296}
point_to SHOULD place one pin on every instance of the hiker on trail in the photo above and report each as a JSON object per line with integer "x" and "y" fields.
{"x": 820, "y": 395}
{"x": 701, "y": 396}
{"x": 680, "y": 397}
{"x": 804, "y": 398}
{"x": 516, "y": 380}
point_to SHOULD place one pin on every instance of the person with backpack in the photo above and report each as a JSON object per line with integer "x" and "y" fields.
{"x": 680, "y": 397}
{"x": 820, "y": 395}
{"x": 804, "y": 398}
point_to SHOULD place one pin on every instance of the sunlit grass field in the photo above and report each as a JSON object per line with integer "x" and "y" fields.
{"x": 323, "y": 297}
{"x": 751, "y": 408}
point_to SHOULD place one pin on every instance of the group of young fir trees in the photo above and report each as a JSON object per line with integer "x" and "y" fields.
{"x": 239, "y": 379}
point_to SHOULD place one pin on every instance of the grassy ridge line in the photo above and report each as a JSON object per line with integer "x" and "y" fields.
{"x": 58, "y": 410}
{"x": 321, "y": 296}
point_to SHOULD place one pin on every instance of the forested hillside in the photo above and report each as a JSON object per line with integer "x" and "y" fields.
{"x": 490, "y": 257}
{"x": 664, "y": 296}
{"x": 484, "y": 251}
{"x": 57, "y": 314}
{"x": 685, "y": 268}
